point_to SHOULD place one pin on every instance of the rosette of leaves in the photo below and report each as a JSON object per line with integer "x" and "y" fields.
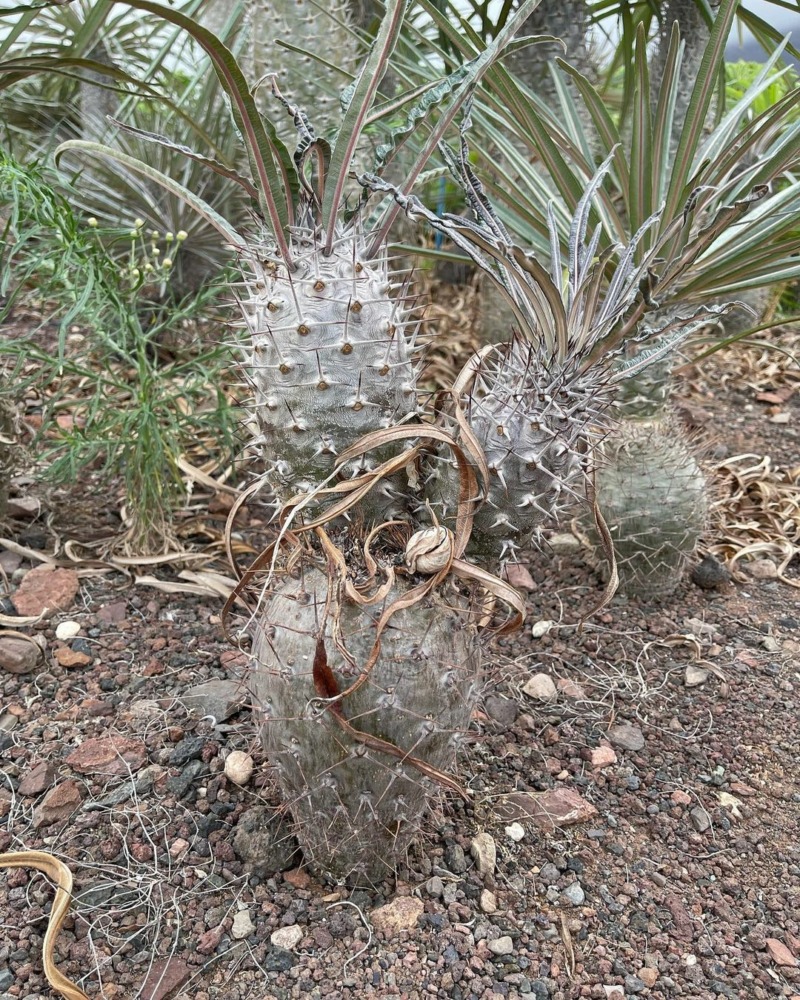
{"x": 535, "y": 404}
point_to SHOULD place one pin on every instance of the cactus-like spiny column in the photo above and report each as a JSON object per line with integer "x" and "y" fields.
{"x": 653, "y": 497}
{"x": 532, "y": 424}
{"x": 650, "y": 489}
{"x": 330, "y": 359}
{"x": 356, "y": 806}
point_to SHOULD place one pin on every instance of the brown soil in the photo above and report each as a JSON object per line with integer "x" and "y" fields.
{"x": 684, "y": 883}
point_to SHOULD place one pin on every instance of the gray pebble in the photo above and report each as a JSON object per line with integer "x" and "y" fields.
{"x": 455, "y": 859}
{"x": 700, "y": 819}
{"x": 435, "y": 887}
{"x": 188, "y": 749}
{"x": 574, "y": 894}
{"x": 549, "y": 874}
{"x": 182, "y": 783}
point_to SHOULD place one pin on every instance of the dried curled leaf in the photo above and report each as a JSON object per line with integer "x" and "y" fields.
{"x": 62, "y": 877}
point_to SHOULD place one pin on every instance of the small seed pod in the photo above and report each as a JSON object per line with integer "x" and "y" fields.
{"x": 238, "y": 767}
{"x": 429, "y": 549}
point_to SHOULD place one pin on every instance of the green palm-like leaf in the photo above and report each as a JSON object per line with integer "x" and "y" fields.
{"x": 223, "y": 227}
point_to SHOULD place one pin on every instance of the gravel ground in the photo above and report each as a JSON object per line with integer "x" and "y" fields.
{"x": 672, "y": 736}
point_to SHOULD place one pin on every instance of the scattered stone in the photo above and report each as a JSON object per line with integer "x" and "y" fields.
{"x": 178, "y": 847}
{"x": 571, "y": 689}
{"x": 189, "y": 748}
{"x": 435, "y": 887}
{"x": 239, "y": 767}
{"x": 113, "y": 614}
{"x": 695, "y": 675}
{"x": 681, "y": 798}
{"x": 515, "y": 832}
{"x": 538, "y": 629}
{"x": 602, "y": 756}
{"x": 265, "y": 842}
{"x": 58, "y": 805}
{"x": 165, "y": 979}
{"x": 614, "y": 993}
{"x": 401, "y": 914}
{"x": 45, "y": 590}
{"x": 501, "y": 946}
{"x": 18, "y": 656}
{"x": 219, "y": 699}
{"x": 779, "y": 953}
{"x": 484, "y": 851}
{"x": 10, "y": 561}
{"x": 242, "y": 926}
{"x": 69, "y": 658}
{"x": 710, "y": 574}
{"x": 455, "y": 859}
{"x": 181, "y": 784}
{"x": 549, "y": 874}
{"x": 298, "y": 877}
{"x": 633, "y": 984}
{"x": 34, "y": 782}
{"x": 564, "y": 544}
{"x": 551, "y": 809}
{"x": 108, "y": 755}
{"x": 287, "y": 938}
{"x": 502, "y": 710}
{"x": 279, "y": 960}
{"x": 700, "y": 819}
{"x": 762, "y": 569}
{"x": 626, "y": 736}
{"x": 540, "y": 687}
{"x": 67, "y": 630}
{"x": 488, "y": 902}
{"x": 209, "y": 940}
{"x": 574, "y": 894}
{"x": 771, "y": 644}
{"x": 519, "y": 576}
{"x": 648, "y": 977}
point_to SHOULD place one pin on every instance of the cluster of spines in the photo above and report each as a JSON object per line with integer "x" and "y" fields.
{"x": 355, "y": 806}
{"x": 532, "y": 424}
{"x": 653, "y": 496}
{"x": 331, "y": 358}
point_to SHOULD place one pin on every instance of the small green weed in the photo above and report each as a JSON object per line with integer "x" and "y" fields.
{"x": 133, "y": 408}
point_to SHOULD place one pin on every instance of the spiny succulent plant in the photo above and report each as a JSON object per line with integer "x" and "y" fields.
{"x": 354, "y": 795}
{"x": 653, "y": 497}
{"x": 366, "y": 688}
{"x": 260, "y": 26}
{"x": 650, "y": 489}
{"x": 534, "y": 403}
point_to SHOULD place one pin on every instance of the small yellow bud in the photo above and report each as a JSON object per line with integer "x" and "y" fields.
{"x": 153, "y": 234}
{"x": 148, "y": 268}
{"x": 134, "y": 234}
{"x": 138, "y": 223}
{"x": 166, "y": 263}
{"x": 135, "y": 273}
{"x": 169, "y": 237}
{"x": 92, "y": 223}
{"x": 181, "y": 235}
{"x": 155, "y": 251}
